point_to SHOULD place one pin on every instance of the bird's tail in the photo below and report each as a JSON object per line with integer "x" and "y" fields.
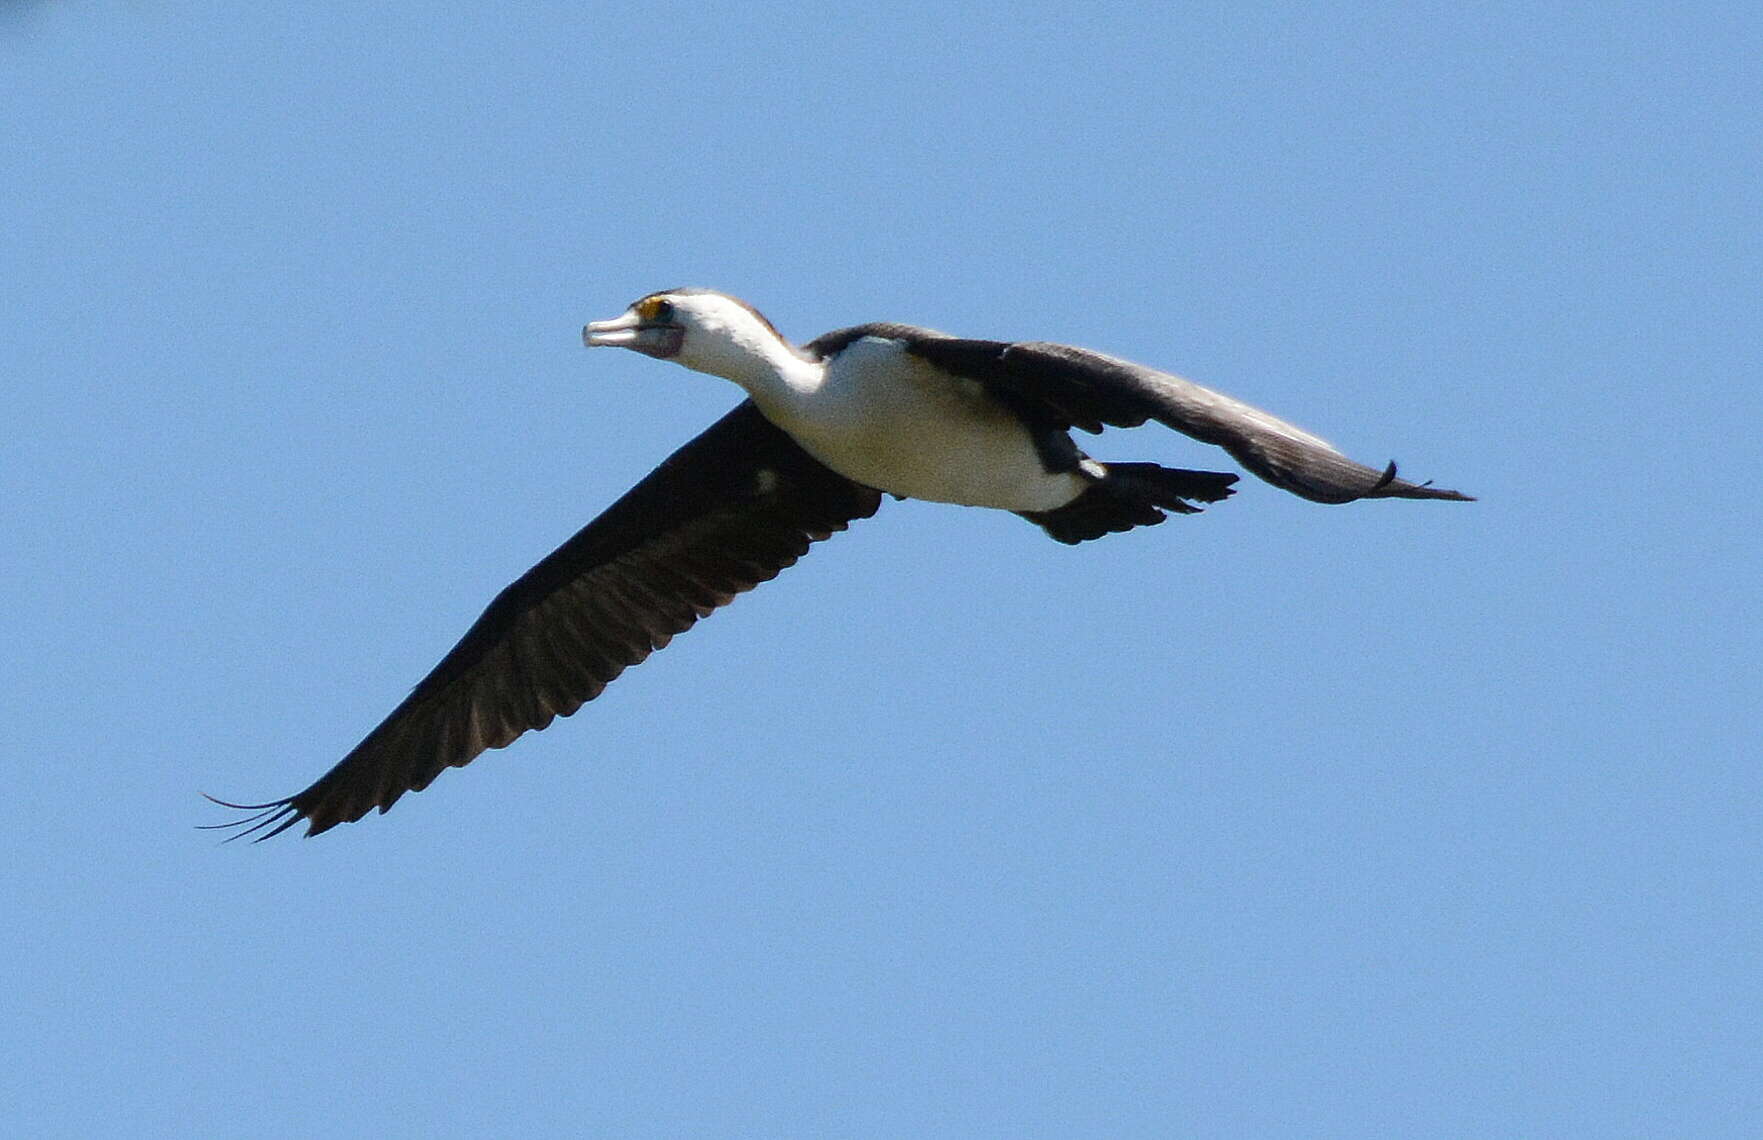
{"x": 1130, "y": 495}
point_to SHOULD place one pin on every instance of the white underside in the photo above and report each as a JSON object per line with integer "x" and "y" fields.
{"x": 891, "y": 421}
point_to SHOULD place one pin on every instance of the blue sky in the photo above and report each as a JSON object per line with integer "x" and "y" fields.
{"x": 1283, "y": 820}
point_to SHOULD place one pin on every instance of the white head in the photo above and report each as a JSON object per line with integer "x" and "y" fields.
{"x": 701, "y": 329}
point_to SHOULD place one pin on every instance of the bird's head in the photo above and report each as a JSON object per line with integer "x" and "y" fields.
{"x": 701, "y": 329}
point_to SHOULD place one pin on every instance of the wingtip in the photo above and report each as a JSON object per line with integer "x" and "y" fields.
{"x": 1388, "y": 486}
{"x": 277, "y": 815}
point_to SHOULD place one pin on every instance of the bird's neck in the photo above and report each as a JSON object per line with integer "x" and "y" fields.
{"x": 768, "y": 367}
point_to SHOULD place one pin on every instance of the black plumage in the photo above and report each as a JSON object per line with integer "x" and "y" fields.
{"x": 725, "y": 512}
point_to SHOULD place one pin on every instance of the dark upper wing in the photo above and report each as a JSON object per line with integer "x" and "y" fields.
{"x": 826, "y": 344}
{"x": 723, "y": 513}
{"x": 1074, "y": 387}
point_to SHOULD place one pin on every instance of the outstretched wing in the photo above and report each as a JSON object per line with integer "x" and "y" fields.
{"x": 1075, "y": 387}
{"x": 725, "y": 512}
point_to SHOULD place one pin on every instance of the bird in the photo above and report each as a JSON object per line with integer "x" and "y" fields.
{"x": 825, "y": 431}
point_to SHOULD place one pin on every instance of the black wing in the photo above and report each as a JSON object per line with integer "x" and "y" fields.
{"x": 1071, "y": 387}
{"x": 723, "y": 513}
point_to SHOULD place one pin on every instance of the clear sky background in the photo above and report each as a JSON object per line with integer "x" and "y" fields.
{"x": 1282, "y": 820}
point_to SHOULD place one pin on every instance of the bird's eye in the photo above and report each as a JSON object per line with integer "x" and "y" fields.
{"x": 653, "y": 308}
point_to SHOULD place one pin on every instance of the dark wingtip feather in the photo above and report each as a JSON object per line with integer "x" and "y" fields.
{"x": 1428, "y": 491}
{"x": 1390, "y": 487}
{"x": 280, "y": 813}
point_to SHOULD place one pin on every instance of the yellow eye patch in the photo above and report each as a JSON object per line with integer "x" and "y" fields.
{"x": 653, "y": 307}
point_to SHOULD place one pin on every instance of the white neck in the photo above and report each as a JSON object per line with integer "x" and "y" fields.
{"x": 768, "y": 368}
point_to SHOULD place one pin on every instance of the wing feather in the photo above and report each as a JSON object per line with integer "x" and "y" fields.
{"x": 725, "y": 512}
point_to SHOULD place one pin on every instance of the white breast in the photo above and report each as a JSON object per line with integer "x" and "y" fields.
{"x": 891, "y": 421}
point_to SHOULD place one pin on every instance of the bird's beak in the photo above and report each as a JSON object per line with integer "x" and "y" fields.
{"x": 651, "y": 338}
